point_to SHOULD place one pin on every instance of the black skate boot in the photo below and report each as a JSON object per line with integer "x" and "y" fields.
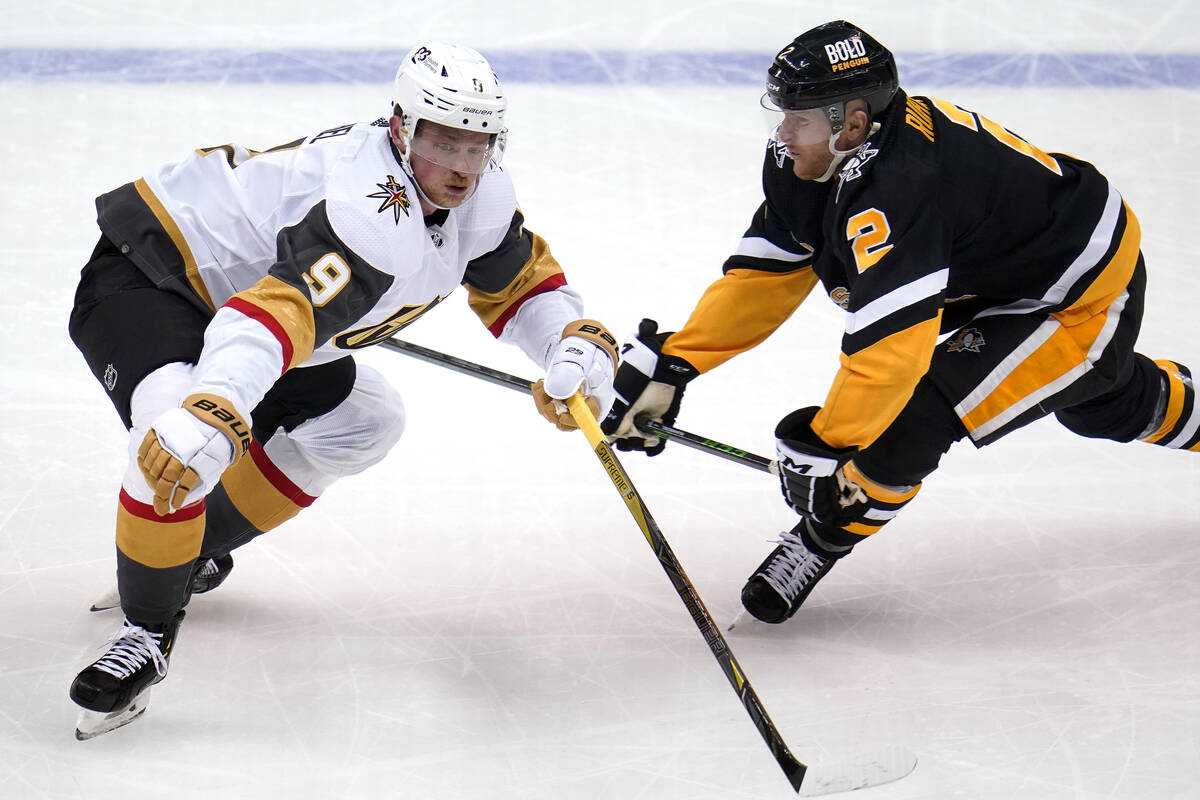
{"x": 115, "y": 689}
{"x": 209, "y": 573}
{"x": 783, "y": 581}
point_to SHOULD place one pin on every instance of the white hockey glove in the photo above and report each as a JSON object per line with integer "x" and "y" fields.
{"x": 187, "y": 449}
{"x": 649, "y": 386}
{"x": 586, "y": 357}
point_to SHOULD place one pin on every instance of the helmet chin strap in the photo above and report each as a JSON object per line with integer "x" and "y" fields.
{"x": 426, "y": 198}
{"x": 840, "y": 155}
{"x": 406, "y": 165}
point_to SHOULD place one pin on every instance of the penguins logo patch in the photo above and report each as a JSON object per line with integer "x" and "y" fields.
{"x": 968, "y": 339}
{"x": 780, "y": 151}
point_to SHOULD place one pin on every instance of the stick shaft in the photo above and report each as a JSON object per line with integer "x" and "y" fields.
{"x": 792, "y": 768}
{"x": 509, "y": 381}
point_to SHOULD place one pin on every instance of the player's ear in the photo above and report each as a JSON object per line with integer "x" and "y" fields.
{"x": 394, "y": 125}
{"x": 858, "y": 122}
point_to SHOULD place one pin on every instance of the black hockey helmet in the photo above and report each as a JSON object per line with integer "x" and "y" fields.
{"x": 830, "y": 65}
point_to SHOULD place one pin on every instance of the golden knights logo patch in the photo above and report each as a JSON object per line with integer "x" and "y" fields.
{"x": 968, "y": 339}
{"x": 394, "y": 196}
{"x": 365, "y": 337}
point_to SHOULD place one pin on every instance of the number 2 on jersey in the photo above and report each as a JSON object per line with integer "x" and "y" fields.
{"x": 869, "y": 230}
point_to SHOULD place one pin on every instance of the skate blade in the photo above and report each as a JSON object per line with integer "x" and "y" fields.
{"x": 865, "y": 769}
{"x": 110, "y": 599}
{"x": 94, "y": 723}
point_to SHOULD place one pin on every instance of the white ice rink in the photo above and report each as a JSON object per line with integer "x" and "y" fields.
{"x": 479, "y": 616}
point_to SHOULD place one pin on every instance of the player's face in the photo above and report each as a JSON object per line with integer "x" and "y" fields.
{"x": 447, "y": 161}
{"x": 806, "y": 136}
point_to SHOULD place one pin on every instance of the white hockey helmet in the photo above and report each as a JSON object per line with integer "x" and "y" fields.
{"x": 453, "y": 86}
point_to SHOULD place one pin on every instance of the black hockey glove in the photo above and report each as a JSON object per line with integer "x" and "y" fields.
{"x": 649, "y": 386}
{"x": 810, "y": 471}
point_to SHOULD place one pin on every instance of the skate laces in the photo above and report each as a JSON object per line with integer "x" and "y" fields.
{"x": 130, "y": 648}
{"x": 209, "y": 569}
{"x": 791, "y": 570}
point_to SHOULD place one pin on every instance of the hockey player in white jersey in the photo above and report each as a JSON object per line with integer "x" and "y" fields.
{"x": 223, "y": 302}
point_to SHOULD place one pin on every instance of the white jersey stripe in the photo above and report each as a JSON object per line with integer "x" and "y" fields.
{"x": 1188, "y": 431}
{"x": 1018, "y": 356}
{"x": 758, "y": 247}
{"x": 1097, "y": 246}
{"x": 893, "y": 301}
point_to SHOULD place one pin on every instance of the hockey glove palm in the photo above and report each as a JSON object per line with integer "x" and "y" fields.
{"x": 187, "y": 449}
{"x": 586, "y": 358}
{"x": 649, "y": 386}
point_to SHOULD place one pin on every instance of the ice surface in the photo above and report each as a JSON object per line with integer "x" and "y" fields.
{"x": 478, "y": 616}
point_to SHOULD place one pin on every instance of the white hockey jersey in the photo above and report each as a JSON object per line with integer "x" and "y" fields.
{"x": 317, "y": 247}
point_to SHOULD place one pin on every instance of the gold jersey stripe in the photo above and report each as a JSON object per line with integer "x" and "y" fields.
{"x": 873, "y": 385}
{"x": 1064, "y": 351}
{"x": 877, "y": 491}
{"x": 159, "y": 542}
{"x": 1111, "y": 282}
{"x": 286, "y": 312}
{"x": 541, "y": 271}
{"x": 737, "y": 312}
{"x": 1176, "y": 396}
{"x": 258, "y": 499}
{"x": 189, "y": 260}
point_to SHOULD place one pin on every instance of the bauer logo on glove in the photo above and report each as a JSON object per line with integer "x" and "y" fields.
{"x": 584, "y": 359}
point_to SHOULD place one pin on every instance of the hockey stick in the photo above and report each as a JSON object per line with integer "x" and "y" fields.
{"x": 885, "y": 765}
{"x": 792, "y": 768}
{"x": 499, "y": 378}
{"x": 879, "y": 766}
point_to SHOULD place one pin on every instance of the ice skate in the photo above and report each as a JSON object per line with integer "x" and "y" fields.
{"x": 783, "y": 581}
{"x": 207, "y": 574}
{"x": 115, "y": 689}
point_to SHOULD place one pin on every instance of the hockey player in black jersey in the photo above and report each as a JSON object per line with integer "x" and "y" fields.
{"x": 986, "y": 284}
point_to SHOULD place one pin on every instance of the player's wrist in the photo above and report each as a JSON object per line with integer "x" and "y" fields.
{"x": 218, "y": 412}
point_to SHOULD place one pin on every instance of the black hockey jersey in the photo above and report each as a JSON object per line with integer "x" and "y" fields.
{"x": 939, "y": 217}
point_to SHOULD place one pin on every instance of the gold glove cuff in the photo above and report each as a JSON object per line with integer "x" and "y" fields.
{"x": 595, "y": 333}
{"x": 220, "y": 413}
